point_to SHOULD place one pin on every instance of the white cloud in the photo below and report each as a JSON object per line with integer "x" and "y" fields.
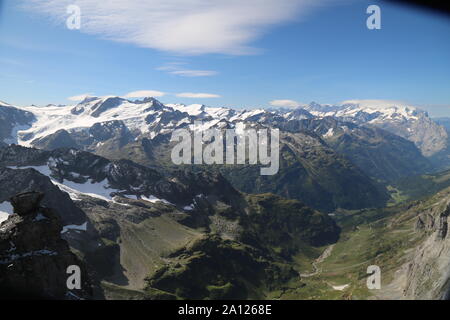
{"x": 79, "y": 97}
{"x": 285, "y": 103}
{"x": 197, "y": 95}
{"x": 194, "y": 73}
{"x": 180, "y": 26}
{"x": 366, "y": 103}
{"x": 176, "y": 69}
{"x": 144, "y": 94}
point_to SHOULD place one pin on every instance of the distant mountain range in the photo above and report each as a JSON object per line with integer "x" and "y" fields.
{"x": 331, "y": 156}
{"x": 145, "y": 228}
{"x": 405, "y": 121}
{"x": 149, "y": 117}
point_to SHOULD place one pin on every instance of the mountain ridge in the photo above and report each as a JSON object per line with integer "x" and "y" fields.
{"x": 139, "y": 130}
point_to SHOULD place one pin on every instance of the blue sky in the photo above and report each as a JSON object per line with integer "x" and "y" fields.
{"x": 234, "y": 56}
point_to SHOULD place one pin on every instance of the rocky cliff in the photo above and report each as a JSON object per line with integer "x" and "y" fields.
{"x": 428, "y": 273}
{"x": 34, "y": 260}
{"x": 422, "y": 270}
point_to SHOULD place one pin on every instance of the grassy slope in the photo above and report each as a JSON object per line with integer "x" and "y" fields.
{"x": 372, "y": 237}
{"x": 377, "y": 236}
{"x": 144, "y": 245}
{"x": 257, "y": 262}
{"x": 417, "y": 187}
{"x": 381, "y": 237}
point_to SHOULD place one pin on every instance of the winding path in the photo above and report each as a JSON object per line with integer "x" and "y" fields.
{"x": 320, "y": 259}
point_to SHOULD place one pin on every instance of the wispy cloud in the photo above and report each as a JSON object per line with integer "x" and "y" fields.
{"x": 79, "y": 97}
{"x": 145, "y": 93}
{"x": 180, "y": 26}
{"x": 194, "y": 73}
{"x": 178, "y": 69}
{"x": 197, "y": 95}
{"x": 285, "y": 103}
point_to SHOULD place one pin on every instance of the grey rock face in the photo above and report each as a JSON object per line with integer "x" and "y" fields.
{"x": 26, "y": 203}
{"x": 33, "y": 257}
{"x": 59, "y": 139}
{"x": 442, "y": 230}
{"x": 428, "y": 136}
{"x": 11, "y": 117}
{"x": 109, "y": 103}
{"x": 428, "y": 272}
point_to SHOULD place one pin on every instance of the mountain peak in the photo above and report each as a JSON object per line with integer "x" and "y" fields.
{"x": 4, "y": 104}
{"x": 88, "y": 99}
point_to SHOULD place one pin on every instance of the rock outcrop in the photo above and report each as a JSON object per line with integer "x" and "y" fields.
{"x": 428, "y": 272}
{"x": 34, "y": 260}
{"x": 14, "y": 181}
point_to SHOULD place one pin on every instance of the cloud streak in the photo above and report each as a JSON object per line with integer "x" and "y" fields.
{"x": 197, "y": 95}
{"x": 285, "y": 103}
{"x": 193, "y": 73}
{"x": 179, "y": 26}
{"x": 176, "y": 69}
{"x": 80, "y": 97}
{"x": 144, "y": 94}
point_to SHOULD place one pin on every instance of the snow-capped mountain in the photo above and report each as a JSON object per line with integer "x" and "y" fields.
{"x": 97, "y": 119}
{"x": 148, "y": 117}
{"x": 366, "y": 112}
{"x": 406, "y": 121}
{"x": 114, "y": 127}
{"x": 117, "y": 128}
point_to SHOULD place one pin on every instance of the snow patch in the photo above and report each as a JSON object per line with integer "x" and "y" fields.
{"x": 100, "y": 190}
{"x": 81, "y": 227}
{"x": 329, "y": 133}
{"x": 154, "y": 199}
{"x": 5, "y": 210}
{"x": 13, "y": 257}
{"x": 341, "y": 288}
{"x": 14, "y": 134}
{"x": 189, "y": 207}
